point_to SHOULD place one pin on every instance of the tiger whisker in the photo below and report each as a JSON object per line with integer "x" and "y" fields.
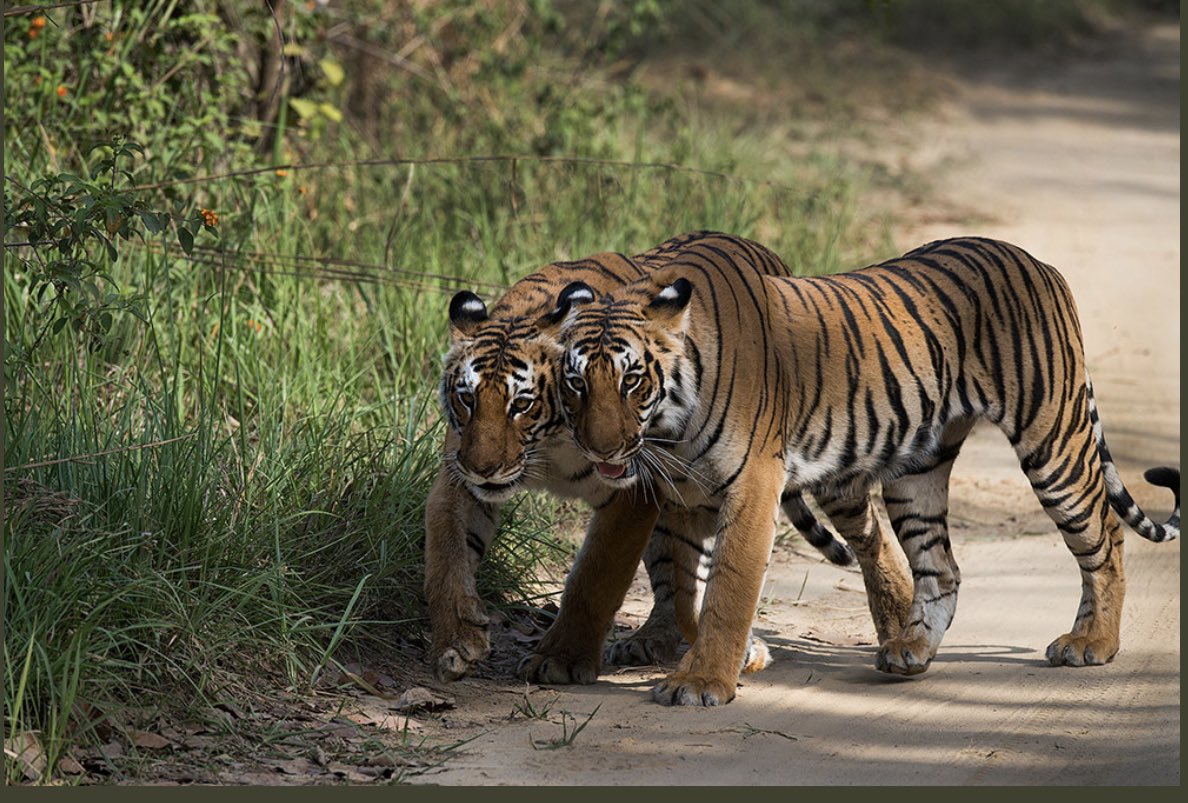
{"x": 645, "y": 475}
{"x": 657, "y": 439}
{"x": 672, "y": 461}
{"x": 652, "y": 460}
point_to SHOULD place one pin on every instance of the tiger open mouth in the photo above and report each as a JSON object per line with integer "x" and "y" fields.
{"x": 615, "y": 471}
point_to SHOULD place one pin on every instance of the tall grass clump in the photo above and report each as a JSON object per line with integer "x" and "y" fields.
{"x": 234, "y": 236}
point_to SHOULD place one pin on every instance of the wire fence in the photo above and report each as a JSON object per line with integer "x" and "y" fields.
{"x": 510, "y": 159}
{"x": 20, "y": 10}
{"x": 338, "y": 269}
{"x": 82, "y": 458}
{"x": 330, "y": 268}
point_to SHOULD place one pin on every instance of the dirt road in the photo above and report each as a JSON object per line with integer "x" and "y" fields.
{"x": 1079, "y": 165}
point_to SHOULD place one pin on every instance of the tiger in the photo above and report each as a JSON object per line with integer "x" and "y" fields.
{"x": 830, "y": 385}
{"x": 505, "y": 433}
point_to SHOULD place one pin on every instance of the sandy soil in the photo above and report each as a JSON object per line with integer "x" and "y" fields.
{"x": 1080, "y": 165}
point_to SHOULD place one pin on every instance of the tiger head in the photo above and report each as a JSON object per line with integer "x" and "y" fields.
{"x": 498, "y": 390}
{"x": 622, "y": 378}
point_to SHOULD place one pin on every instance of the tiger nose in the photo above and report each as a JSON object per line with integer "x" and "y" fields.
{"x": 618, "y": 451}
{"x": 484, "y": 471}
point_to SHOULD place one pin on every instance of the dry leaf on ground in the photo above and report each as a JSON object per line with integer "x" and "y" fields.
{"x": 418, "y": 698}
{"x": 384, "y": 720}
{"x": 296, "y": 766}
{"x": 25, "y": 749}
{"x": 149, "y": 741}
{"x": 68, "y": 766}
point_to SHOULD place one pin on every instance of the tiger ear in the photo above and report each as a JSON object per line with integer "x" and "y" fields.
{"x": 670, "y": 303}
{"x": 575, "y": 294}
{"x": 467, "y": 311}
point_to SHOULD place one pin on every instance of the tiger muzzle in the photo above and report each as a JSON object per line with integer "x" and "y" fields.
{"x": 615, "y": 464}
{"x": 488, "y": 475}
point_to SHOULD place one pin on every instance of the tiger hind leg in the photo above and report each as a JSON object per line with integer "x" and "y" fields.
{"x": 1065, "y": 471}
{"x": 918, "y": 506}
{"x": 884, "y": 572}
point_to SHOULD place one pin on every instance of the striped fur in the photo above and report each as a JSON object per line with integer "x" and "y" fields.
{"x": 506, "y": 433}
{"x": 751, "y": 383}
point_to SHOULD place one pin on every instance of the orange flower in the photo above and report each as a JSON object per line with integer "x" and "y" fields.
{"x": 62, "y": 91}
{"x": 255, "y": 326}
{"x": 209, "y": 217}
{"x": 37, "y": 23}
{"x": 302, "y": 190}
{"x": 282, "y": 173}
{"x": 108, "y": 36}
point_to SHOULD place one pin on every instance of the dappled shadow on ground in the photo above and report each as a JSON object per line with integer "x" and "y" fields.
{"x": 969, "y": 719}
{"x": 989, "y": 710}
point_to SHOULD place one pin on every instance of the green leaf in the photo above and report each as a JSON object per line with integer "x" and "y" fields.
{"x": 58, "y": 324}
{"x": 251, "y": 128}
{"x": 330, "y": 112}
{"x": 152, "y": 222}
{"x": 305, "y": 109}
{"x": 185, "y": 238}
{"x": 333, "y": 70}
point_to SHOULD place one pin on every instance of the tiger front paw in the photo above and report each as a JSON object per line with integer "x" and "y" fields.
{"x": 687, "y": 688}
{"x": 558, "y": 669}
{"x": 904, "y": 656}
{"x": 460, "y": 643}
{"x": 1070, "y": 650}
